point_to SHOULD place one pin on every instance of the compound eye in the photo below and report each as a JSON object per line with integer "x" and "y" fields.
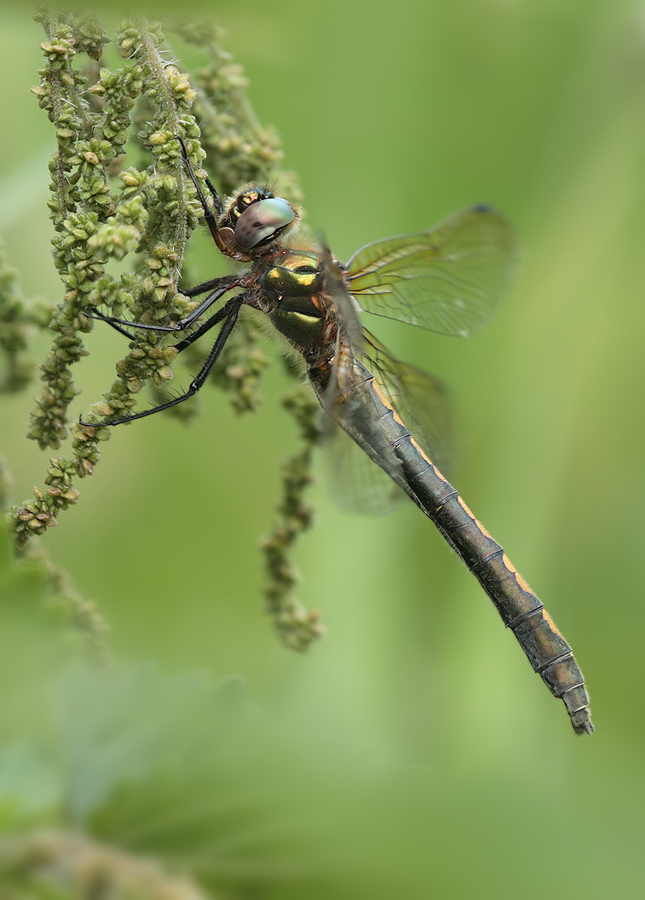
{"x": 262, "y": 221}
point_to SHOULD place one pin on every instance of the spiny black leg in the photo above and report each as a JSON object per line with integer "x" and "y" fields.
{"x": 209, "y": 217}
{"x": 226, "y": 283}
{"x": 216, "y": 197}
{"x": 235, "y": 305}
{"x": 193, "y": 178}
{"x": 232, "y": 311}
{"x": 210, "y": 285}
{"x": 208, "y": 212}
{"x": 203, "y": 328}
{"x": 95, "y": 314}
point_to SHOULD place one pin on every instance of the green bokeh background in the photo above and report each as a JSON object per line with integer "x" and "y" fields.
{"x": 395, "y": 115}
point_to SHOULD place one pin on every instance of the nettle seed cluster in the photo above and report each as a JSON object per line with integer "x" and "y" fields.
{"x": 119, "y": 191}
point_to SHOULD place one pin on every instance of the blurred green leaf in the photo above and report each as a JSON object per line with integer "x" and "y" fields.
{"x": 176, "y": 769}
{"x": 36, "y": 639}
{"x": 30, "y": 787}
{"x": 128, "y": 728}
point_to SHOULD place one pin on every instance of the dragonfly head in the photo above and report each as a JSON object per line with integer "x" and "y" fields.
{"x": 255, "y": 218}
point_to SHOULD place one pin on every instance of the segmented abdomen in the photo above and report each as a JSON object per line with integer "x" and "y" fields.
{"x": 366, "y": 414}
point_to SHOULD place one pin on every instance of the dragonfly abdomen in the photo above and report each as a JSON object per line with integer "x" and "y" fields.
{"x": 521, "y": 610}
{"x": 369, "y": 417}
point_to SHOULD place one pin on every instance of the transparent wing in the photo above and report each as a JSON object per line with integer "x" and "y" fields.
{"x": 419, "y": 399}
{"x": 349, "y": 338}
{"x": 421, "y": 402}
{"x": 345, "y": 308}
{"x": 358, "y": 485}
{"x": 448, "y": 279}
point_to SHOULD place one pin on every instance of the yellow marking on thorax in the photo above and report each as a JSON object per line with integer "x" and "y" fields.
{"x": 304, "y": 317}
{"x": 307, "y": 279}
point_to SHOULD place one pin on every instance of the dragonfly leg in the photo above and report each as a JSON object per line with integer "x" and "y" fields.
{"x": 229, "y": 313}
{"x": 216, "y": 197}
{"x": 209, "y": 217}
{"x": 113, "y": 323}
{"x": 211, "y": 285}
{"x": 202, "y": 199}
{"x": 203, "y": 328}
{"x": 221, "y": 285}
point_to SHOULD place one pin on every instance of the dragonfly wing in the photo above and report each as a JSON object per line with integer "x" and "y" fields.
{"x": 417, "y": 398}
{"x": 448, "y": 279}
{"x": 420, "y": 400}
{"x": 349, "y": 338}
{"x": 345, "y": 307}
{"x": 358, "y": 485}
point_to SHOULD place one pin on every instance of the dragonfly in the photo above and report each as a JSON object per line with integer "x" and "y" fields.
{"x": 447, "y": 280}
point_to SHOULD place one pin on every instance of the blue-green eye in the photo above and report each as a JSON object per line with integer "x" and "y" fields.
{"x": 263, "y": 221}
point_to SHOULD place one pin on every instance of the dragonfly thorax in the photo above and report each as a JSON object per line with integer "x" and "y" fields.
{"x": 294, "y": 282}
{"x": 293, "y": 273}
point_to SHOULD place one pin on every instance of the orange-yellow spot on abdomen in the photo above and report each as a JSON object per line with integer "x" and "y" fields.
{"x": 521, "y": 581}
{"x": 470, "y": 513}
{"x": 551, "y": 623}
